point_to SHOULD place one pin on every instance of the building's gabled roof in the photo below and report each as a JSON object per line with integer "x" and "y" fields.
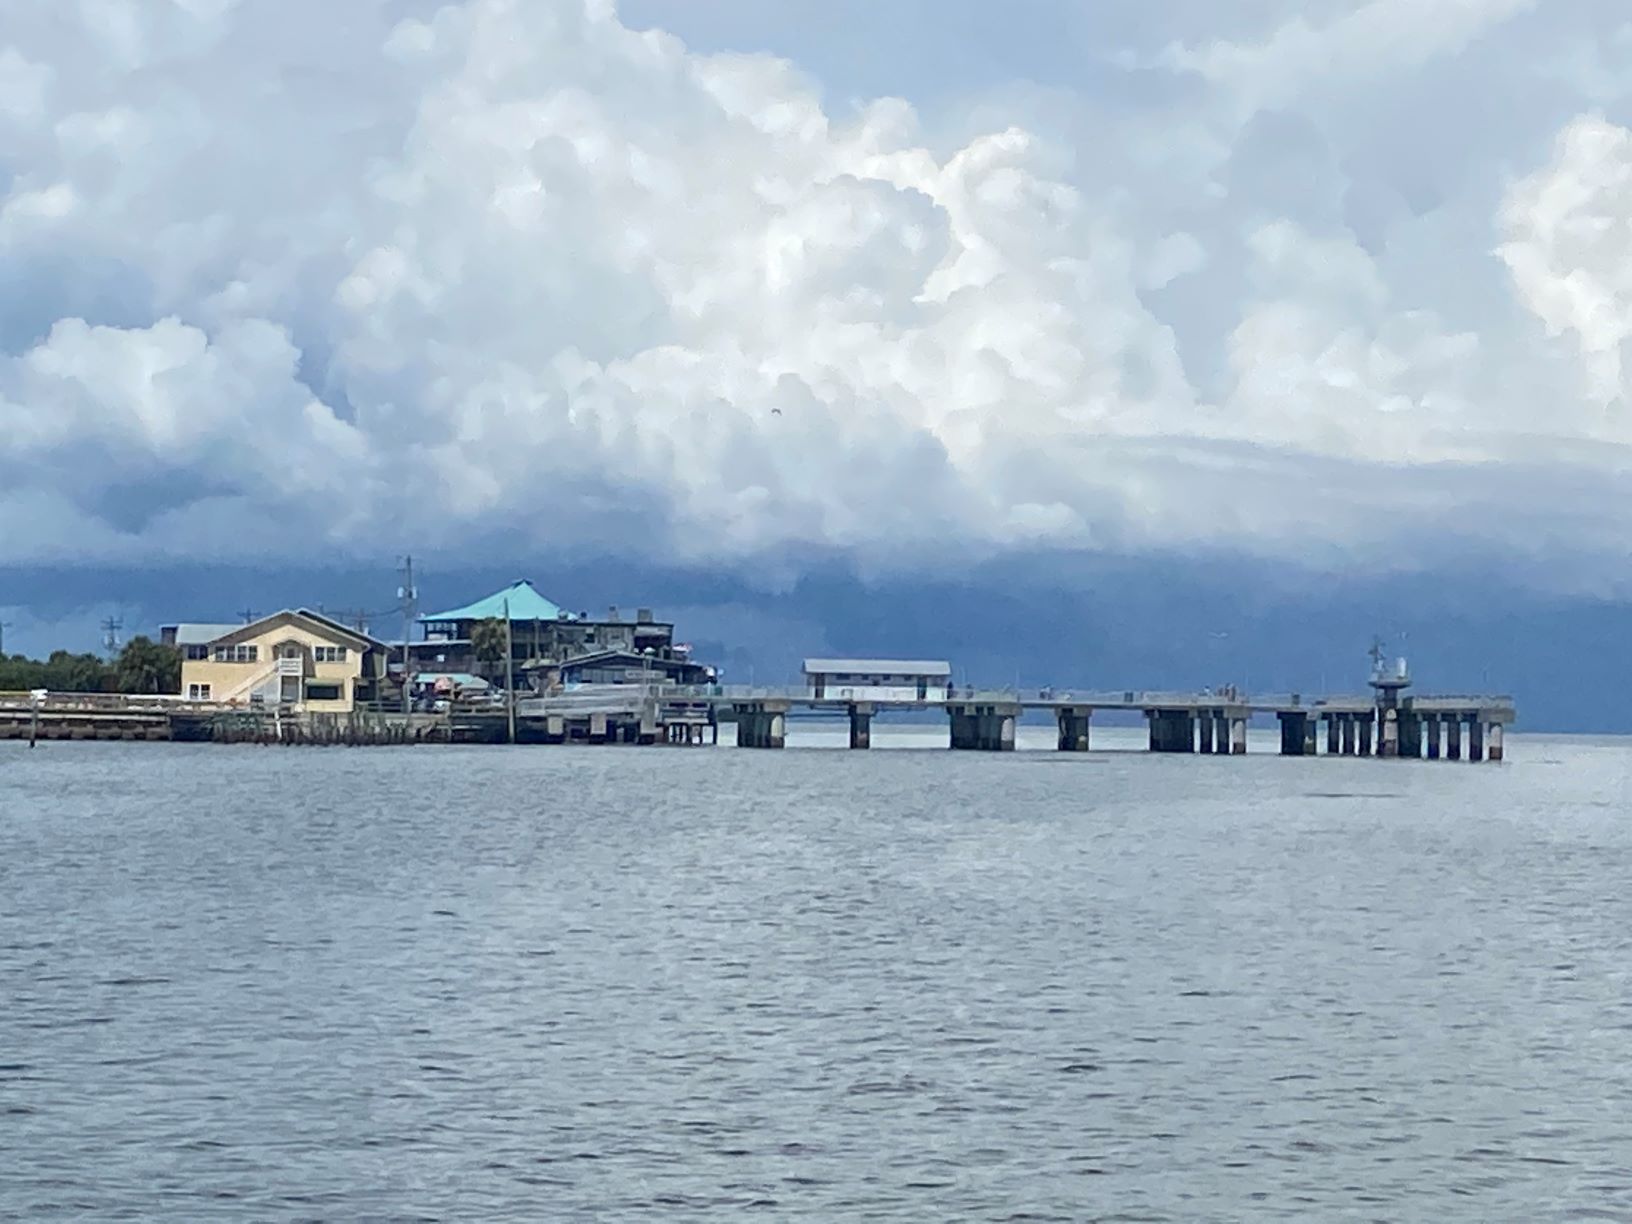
{"x": 525, "y": 604}
{"x": 316, "y": 620}
{"x": 878, "y": 667}
{"x": 201, "y": 634}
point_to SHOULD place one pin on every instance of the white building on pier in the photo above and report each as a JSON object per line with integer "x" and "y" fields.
{"x": 877, "y": 679}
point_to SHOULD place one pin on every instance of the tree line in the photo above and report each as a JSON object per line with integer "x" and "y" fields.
{"x": 143, "y": 666}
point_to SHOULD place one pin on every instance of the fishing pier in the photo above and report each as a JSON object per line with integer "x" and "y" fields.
{"x": 1386, "y": 722}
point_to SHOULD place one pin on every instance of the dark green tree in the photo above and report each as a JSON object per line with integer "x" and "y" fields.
{"x": 487, "y": 641}
{"x": 71, "y": 673}
{"x": 146, "y": 667}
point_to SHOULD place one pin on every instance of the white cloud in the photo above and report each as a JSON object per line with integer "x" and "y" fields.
{"x": 1569, "y": 247}
{"x": 501, "y": 266}
{"x": 1357, "y": 41}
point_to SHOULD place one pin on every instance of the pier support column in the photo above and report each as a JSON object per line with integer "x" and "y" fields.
{"x": 1172, "y": 731}
{"x": 984, "y": 728}
{"x": 1430, "y": 733}
{"x": 555, "y": 729}
{"x": 1388, "y": 736}
{"x": 1363, "y": 734}
{"x": 1074, "y": 729}
{"x": 1008, "y": 728}
{"x": 1331, "y": 735}
{"x": 597, "y": 728}
{"x": 762, "y": 727}
{"x": 1453, "y": 738}
{"x": 1496, "y": 742}
{"x": 1410, "y": 735}
{"x": 1345, "y": 728}
{"x": 1221, "y": 731}
{"x": 861, "y": 726}
{"x": 1204, "y": 734}
{"x": 1476, "y": 739}
{"x": 1311, "y": 735}
{"x": 1294, "y": 732}
{"x": 1238, "y": 736}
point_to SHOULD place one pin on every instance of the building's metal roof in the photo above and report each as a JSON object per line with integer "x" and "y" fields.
{"x": 202, "y": 634}
{"x": 524, "y": 602}
{"x": 236, "y": 633}
{"x": 877, "y": 667}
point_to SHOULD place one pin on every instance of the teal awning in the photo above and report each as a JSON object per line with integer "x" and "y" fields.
{"x": 525, "y": 604}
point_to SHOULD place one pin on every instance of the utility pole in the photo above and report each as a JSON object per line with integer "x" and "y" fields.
{"x": 249, "y": 616}
{"x": 110, "y": 634}
{"x": 4, "y": 625}
{"x": 509, "y": 673}
{"x": 408, "y": 595}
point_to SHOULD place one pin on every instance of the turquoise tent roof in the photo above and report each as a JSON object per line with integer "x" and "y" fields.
{"x": 526, "y": 604}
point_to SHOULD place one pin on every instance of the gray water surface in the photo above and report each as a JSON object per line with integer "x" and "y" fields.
{"x": 250, "y": 983}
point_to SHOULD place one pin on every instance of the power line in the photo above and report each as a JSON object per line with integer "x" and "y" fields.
{"x": 358, "y": 618}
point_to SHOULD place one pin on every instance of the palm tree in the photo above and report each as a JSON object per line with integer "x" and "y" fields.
{"x": 487, "y": 640}
{"x": 145, "y": 666}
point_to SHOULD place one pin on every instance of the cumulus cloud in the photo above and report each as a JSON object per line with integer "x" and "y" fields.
{"x": 1569, "y": 229}
{"x": 446, "y": 273}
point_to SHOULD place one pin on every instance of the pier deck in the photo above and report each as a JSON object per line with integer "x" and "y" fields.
{"x": 1383, "y": 724}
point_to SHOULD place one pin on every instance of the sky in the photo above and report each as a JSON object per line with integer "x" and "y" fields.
{"x": 717, "y": 295}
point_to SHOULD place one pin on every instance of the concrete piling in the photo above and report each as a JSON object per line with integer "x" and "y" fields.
{"x": 1476, "y": 739}
{"x": 1496, "y": 742}
{"x": 1295, "y": 735}
{"x": 1388, "y": 738}
{"x": 1172, "y": 731}
{"x": 1453, "y": 738}
{"x": 764, "y": 725}
{"x": 983, "y": 728}
{"x": 1073, "y": 725}
{"x": 861, "y": 725}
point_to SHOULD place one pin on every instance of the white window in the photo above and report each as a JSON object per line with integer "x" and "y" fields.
{"x": 198, "y": 692}
{"x": 237, "y": 654}
{"x": 329, "y": 654}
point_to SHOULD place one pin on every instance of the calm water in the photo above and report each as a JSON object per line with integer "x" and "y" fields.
{"x": 620, "y": 984}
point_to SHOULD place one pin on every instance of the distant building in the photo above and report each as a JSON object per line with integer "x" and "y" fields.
{"x": 877, "y": 679}
{"x": 551, "y": 646}
{"x": 617, "y": 667}
{"x": 294, "y": 658}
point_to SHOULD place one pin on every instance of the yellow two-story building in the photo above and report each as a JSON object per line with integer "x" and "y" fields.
{"x": 293, "y": 658}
